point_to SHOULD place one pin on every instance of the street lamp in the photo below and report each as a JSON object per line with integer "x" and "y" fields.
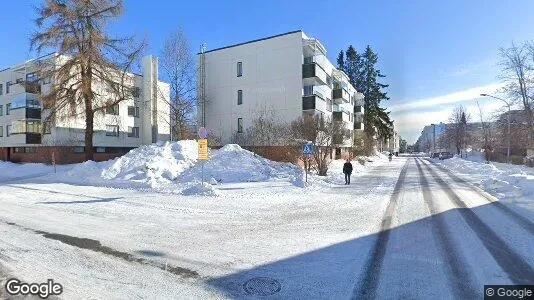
{"x": 509, "y": 115}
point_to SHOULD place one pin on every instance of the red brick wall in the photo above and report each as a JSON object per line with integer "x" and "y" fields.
{"x": 63, "y": 155}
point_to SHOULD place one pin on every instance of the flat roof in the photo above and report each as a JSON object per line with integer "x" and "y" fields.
{"x": 253, "y": 41}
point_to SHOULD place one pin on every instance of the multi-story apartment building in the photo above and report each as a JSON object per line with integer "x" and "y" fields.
{"x": 141, "y": 119}
{"x": 287, "y": 75}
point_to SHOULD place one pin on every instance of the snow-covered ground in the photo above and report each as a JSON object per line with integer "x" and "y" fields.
{"x": 144, "y": 226}
{"x": 150, "y": 205}
{"x": 511, "y": 184}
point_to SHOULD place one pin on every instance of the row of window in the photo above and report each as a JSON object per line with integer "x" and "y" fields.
{"x": 78, "y": 149}
{"x": 113, "y": 130}
{"x": 30, "y": 77}
{"x": 133, "y": 111}
{"x": 34, "y": 127}
{"x": 81, "y": 149}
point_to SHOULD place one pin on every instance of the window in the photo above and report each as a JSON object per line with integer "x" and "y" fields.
{"x": 79, "y": 149}
{"x": 8, "y": 130}
{"x": 328, "y": 105}
{"x": 308, "y": 90}
{"x": 239, "y": 97}
{"x": 1, "y": 110}
{"x": 1, "y": 89}
{"x": 32, "y": 77}
{"x": 239, "y": 69}
{"x": 133, "y": 111}
{"x": 239, "y": 125}
{"x": 8, "y": 85}
{"x": 133, "y": 132}
{"x": 8, "y": 108}
{"x": 112, "y": 130}
{"x": 47, "y": 127}
{"x": 329, "y": 80}
{"x": 136, "y": 92}
{"x": 33, "y": 126}
{"x": 1, "y": 131}
{"x": 100, "y": 149}
{"x": 308, "y": 60}
{"x": 113, "y": 110}
{"x": 18, "y": 150}
{"x": 30, "y": 150}
{"x": 19, "y": 80}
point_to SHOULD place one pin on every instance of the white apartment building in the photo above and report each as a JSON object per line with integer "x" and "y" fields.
{"x": 286, "y": 74}
{"x": 24, "y": 136}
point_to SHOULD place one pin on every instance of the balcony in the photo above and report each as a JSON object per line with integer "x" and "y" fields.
{"x": 313, "y": 101}
{"x": 341, "y": 115}
{"x": 313, "y": 74}
{"x": 33, "y": 138}
{"x": 340, "y": 95}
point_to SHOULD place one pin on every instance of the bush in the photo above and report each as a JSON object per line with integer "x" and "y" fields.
{"x": 529, "y": 161}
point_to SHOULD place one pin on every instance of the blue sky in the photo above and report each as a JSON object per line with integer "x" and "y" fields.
{"x": 436, "y": 54}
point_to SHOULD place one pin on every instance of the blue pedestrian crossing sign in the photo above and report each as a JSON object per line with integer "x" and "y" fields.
{"x": 307, "y": 149}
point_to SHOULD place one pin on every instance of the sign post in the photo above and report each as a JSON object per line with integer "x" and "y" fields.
{"x": 307, "y": 151}
{"x": 202, "y": 147}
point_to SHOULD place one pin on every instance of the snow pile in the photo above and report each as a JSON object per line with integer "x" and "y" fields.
{"x": 505, "y": 181}
{"x": 149, "y": 165}
{"x": 200, "y": 189}
{"x": 235, "y": 164}
{"x": 154, "y": 162}
{"x": 13, "y": 171}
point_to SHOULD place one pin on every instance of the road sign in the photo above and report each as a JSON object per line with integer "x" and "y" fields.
{"x": 203, "y": 149}
{"x": 307, "y": 149}
{"x": 202, "y": 133}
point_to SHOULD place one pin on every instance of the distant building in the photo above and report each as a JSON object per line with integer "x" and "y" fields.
{"x": 287, "y": 75}
{"x": 24, "y": 137}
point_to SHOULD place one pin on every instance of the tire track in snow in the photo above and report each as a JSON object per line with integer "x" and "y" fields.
{"x": 367, "y": 287}
{"x": 456, "y": 271}
{"x": 517, "y": 269}
{"x": 513, "y": 215}
{"x": 96, "y": 246}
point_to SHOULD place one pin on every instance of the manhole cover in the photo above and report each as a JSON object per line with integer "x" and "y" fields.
{"x": 262, "y": 286}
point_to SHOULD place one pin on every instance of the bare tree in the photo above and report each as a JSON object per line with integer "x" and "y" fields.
{"x": 517, "y": 64}
{"x": 178, "y": 65}
{"x": 90, "y": 72}
{"x": 487, "y": 136}
{"x": 324, "y": 134}
{"x": 456, "y": 131}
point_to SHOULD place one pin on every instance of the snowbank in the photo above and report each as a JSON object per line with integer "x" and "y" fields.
{"x": 200, "y": 189}
{"x": 235, "y": 164}
{"x": 12, "y": 171}
{"x": 512, "y": 183}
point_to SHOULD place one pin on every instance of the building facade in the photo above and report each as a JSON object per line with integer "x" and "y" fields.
{"x": 286, "y": 75}
{"x": 141, "y": 119}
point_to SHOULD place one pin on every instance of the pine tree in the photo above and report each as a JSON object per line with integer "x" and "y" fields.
{"x": 340, "y": 60}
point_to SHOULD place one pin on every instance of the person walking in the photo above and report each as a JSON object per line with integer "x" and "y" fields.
{"x": 347, "y": 170}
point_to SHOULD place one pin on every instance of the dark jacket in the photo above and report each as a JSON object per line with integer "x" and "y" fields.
{"x": 347, "y": 168}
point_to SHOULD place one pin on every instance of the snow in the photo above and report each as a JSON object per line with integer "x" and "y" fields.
{"x": 200, "y": 189}
{"x": 249, "y": 225}
{"x": 231, "y": 163}
{"x": 250, "y": 218}
{"x": 508, "y": 183}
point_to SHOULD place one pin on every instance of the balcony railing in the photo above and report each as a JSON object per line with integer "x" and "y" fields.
{"x": 314, "y": 72}
{"x": 340, "y": 95}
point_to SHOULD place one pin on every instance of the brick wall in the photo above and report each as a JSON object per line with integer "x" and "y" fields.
{"x": 62, "y": 155}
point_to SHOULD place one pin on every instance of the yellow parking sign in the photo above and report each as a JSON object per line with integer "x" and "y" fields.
{"x": 203, "y": 149}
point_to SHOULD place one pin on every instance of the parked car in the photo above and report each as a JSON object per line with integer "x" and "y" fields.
{"x": 445, "y": 155}
{"x": 435, "y": 155}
